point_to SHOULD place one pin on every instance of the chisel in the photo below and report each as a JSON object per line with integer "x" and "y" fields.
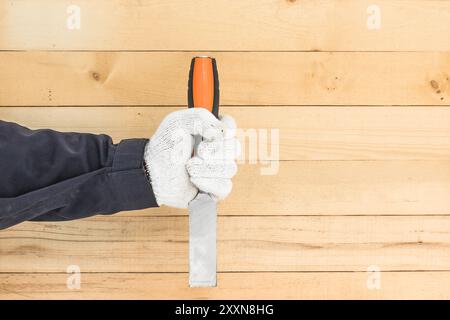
{"x": 203, "y": 92}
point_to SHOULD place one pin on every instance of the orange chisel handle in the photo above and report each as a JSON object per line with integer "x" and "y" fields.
{"x": 203, "y": 85}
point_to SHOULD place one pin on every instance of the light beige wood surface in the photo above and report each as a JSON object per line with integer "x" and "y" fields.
{"x": 336, "y": 188}
{"x": 245, "y": 244}
{"x": 278, "y": 285}
{"x": 247, "y": 78}
{"x": 336, "y": 25}
{"x": 364, "y": 125}
{"x": 306, "y": 133}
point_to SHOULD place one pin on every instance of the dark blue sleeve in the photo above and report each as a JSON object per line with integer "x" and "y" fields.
{"x": 47, "y": 175}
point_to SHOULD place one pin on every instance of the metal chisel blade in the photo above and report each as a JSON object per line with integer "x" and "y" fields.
{"x": 202, "y": 241}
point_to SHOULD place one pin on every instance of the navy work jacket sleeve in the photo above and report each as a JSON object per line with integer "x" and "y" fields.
{"x": 47, "y": 175}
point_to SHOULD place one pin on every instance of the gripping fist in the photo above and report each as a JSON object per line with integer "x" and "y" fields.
{"x": 176, "y": 176}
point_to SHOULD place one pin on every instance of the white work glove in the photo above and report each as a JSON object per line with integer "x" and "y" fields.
{"x": 175, "y": 175}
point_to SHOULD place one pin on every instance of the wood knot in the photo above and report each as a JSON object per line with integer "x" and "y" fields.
{"x": 434, "y": 84}
{"x": 95, "y": 76}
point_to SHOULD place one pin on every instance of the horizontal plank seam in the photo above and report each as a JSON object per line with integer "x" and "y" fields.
{"x": 289, "y": 215}
{"x": 224, "y": 272}
{"x": 323, "y": 215}
{"x": 222, "y": 51}
{"x": 231, "y": 106}
{"x": 355, "y": 160}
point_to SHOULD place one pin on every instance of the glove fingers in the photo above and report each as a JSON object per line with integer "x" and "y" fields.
{"x": 228, "y": 149}
{"x": 175, "y": 177}
{"x": 199, "y": 121}
{"x": 218, "y": 187}
{"x": 199, "y": 168}
{"x": 229, "y": 125}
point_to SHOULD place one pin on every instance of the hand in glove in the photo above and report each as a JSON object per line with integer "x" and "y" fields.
{"x": 175, "y": 175}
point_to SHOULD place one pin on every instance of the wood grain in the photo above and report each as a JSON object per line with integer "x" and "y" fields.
{"x": 305, "y": 133}
{"x": 337, "y": 25}
{"x": 250, "y": 78}
{"x": 335, "y": 188}
{"x": 363, "y": 117}
{"x": 323, "y": 285}
{"x": 245, "y": 244}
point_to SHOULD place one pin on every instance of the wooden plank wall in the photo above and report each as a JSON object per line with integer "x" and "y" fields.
{"x": 363, "y": 118}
